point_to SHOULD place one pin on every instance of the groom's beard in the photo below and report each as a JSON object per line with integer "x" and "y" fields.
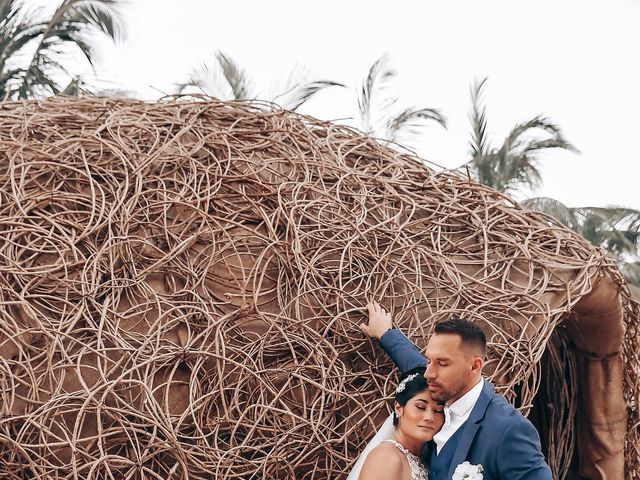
{"x": 439, "y": 394}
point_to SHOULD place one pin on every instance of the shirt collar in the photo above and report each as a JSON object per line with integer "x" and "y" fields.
{"x": 465, "y": 403}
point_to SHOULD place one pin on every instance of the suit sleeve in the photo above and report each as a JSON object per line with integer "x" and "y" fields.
{"x": 519, "y": 453}
{"x": 402, "y": 351}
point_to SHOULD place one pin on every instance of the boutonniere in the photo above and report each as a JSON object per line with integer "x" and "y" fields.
{"x": 466, "y": 471}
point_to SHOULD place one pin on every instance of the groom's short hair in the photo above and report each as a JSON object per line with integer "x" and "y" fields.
{"x": 469, "y": 332}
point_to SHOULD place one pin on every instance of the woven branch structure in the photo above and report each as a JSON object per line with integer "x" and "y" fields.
{"x": 181, "y": 285}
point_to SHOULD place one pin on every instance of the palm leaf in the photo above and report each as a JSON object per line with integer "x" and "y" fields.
{"x": 558, "y": 210}
{"x": 301, "y": 93}
{"x": 223, "y": 79}
{"x": 534, "y": 146}
{"x": 519, "y": 170}
{"x": 631, "y": 272}
{"x": 235, "y": 77}
{"x": 377, "y": 79}
{"x": 37, "y": 79}
{"x": 205, "y": 79}
{"x": 103, "y": 15}
{"x": 193, "y": 81}
{"x": 620, "y": 215}
{"x": 74, "y": 88}
{"x": 541, "y": 123}
{"x": 18, "y": 28}
{"x": 515, "y": 163}
{"x": 479, "y": 144}
{"x": 70, "y": 25}
{"x": 411, "y": 119}
{"x": 613, "y": 228}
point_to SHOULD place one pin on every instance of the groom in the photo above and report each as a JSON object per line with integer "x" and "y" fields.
{"x": 480, "y": 427}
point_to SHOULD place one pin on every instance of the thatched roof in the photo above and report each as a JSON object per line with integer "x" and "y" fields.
{"x": 182, "y": 284}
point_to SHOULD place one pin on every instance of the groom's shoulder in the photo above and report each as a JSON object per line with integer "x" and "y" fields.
{"x": 500, "y": 410}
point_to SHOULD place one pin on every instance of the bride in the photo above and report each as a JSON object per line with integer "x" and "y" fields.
{"x": 396, "y": 450}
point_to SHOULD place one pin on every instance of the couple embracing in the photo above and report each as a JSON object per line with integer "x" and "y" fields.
{"x": 447, "y": 423}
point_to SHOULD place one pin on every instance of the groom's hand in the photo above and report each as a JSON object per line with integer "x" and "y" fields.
{"x": 379, "y": 321}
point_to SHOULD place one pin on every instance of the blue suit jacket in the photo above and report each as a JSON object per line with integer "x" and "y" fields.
{"x": 495, "y": 435}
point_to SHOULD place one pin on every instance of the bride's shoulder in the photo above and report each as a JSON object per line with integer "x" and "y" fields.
{"x": 384, "y": 461}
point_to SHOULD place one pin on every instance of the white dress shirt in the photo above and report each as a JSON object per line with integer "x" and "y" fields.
{"x": 456, "y": 414}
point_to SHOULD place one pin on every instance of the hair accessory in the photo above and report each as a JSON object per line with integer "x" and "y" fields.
{"x": 403, "y": 384}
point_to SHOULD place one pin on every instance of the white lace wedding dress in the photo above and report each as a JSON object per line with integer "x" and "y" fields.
{"x": 385, "y": 434}
{"x": 418, "y": 470}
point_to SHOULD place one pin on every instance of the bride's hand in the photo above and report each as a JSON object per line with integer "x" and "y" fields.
{"x": 379, "y": 321}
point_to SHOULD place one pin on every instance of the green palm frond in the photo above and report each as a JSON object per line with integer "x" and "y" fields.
{"x": 74, "y": 88}
{"x": 193, "y": 81}
{"x": 9, "y": 9}
{"x": 204, "y": 79}
{"x": 223, "y": 78}
{"x": 83, "y": 45}
{"x": 380, "y": 111}
{"x": 48, "y": 40}
{"x": 619, "y": 215}
{"x": 103, "y": 15}
{"x": 631, "y": 273}
{"x": 37, "y": 79}
{"x": 5, "y": 8}
{"x": 298, "y": 88}
{"x": 235, "y": 77}
{"x": 18, "y": 28}
{"x": 516, "y": 162}
{"x": 378, "y": 78}
{"x": 410, "y": 121}
{"x": 300, "y": 93}
{"x": 554, "y": 208}
{"x": 539, "y": 121}
{"x": 226, "y": 80}
{"x": 534, "y": 146}
{"x": 517, "y": 170}
{"x": 613, "y": 228}
{"x": 479, "y": 143}
{"x": 516, "y": 138}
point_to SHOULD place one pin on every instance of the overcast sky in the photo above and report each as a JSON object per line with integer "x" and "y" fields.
{"x": 575, "y": 61}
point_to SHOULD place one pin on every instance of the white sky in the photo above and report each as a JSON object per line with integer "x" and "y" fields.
{"x": 576, "y": 61}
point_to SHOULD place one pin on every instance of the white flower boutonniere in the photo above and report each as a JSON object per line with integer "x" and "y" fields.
{"x": 466, "y": 471}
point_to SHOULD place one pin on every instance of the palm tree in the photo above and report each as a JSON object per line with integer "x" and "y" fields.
{"x": 33, "y": 46}
{"x": 515, "y": 163}
{"x": 225, "y": 79}
{"x": 380, "y": 113}
{"x": 615, "y": 229}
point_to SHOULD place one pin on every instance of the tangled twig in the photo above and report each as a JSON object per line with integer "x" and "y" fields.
{"x": 182, "y": 283}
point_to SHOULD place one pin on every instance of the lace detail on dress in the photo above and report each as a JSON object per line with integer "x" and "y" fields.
{"x": 418, "y": 470}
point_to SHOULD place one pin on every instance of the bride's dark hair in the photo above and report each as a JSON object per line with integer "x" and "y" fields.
{"x": 409, "y": 388}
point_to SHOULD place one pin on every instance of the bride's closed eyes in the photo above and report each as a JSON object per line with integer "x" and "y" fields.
{"x": 422, "y": 404}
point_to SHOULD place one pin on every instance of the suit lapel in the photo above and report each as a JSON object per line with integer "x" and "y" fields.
{"x": 470, "y": 427}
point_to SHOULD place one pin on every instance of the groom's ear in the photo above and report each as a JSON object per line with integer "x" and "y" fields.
{"x": 477, "y": 364}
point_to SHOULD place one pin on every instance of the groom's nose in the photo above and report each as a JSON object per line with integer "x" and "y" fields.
{"x": 430, "y": 372}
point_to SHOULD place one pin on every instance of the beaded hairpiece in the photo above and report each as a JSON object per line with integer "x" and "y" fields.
{"x": 403, "y": 384}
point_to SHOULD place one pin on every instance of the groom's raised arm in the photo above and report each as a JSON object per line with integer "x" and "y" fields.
{"x": 399, "y": 348}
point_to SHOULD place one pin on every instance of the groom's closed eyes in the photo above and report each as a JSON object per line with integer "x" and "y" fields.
{"x": 441, "y": 361}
